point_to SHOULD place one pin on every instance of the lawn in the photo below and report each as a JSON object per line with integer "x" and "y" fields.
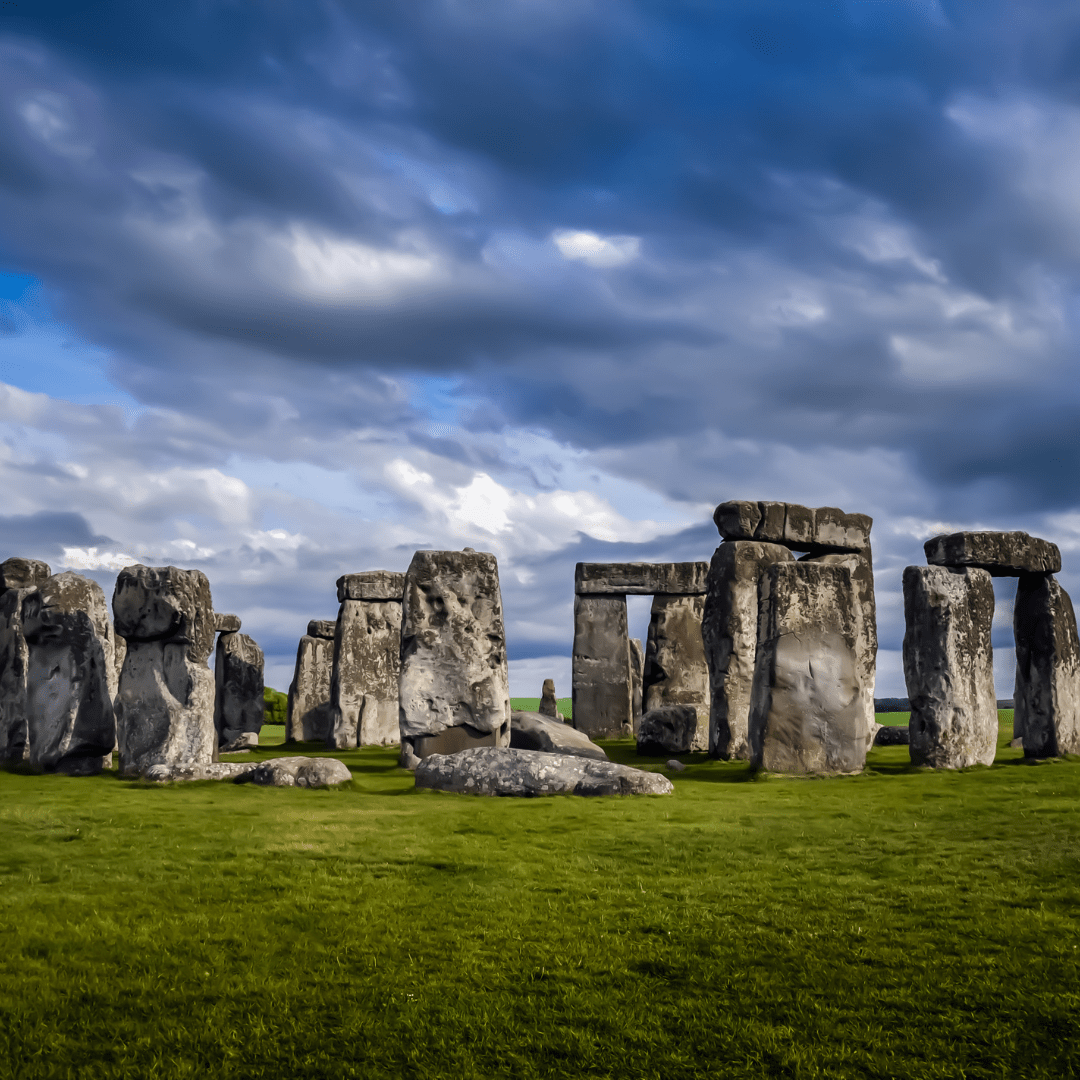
{"x": 900, "y": 923}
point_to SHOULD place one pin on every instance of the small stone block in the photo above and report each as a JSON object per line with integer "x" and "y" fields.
{"x": 226, "y": 624}
{"x": 371, "y": 585}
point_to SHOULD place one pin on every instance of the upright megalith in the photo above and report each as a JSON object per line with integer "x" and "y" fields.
{"x": 367, "y": 660}
{"x": 69, "y": 708}
{"x": 675, "y": 672}
{"x": 453, "y": 686}
{"x": 729, "y": 634}
{"x": 1047, "y": 694}
{"x": 637, "y": 680}
{"x": 238, "y": 687}
{"x": 549, "y": 704}
{"x": 18, "y": 577}
{"x": 949, "y": 666}
{"x": 309, "y": 718}
{"x": 165, "y": 713}
{"x": 807, "y": 709}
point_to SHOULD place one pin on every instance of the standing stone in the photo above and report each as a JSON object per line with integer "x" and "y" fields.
{"x": 729, "y": 633}
{"x": 1047, "y": 696}
{"x": 949, "y": 666}
{"x": 166, "y": 702}
{"x": 18, "y": 577}
{"x": 549, "y": 704}
{"x": 454, "y": 687}
{"x": 238, "y": 692}
{"x": 637, "y": 679}
{"x": 806, "y": 712}
{"x": 367, "y": 661}
{"x": 69, "y": 709}
{"x": 675, "y": 671}
{"x": 603, "y": 696}
{"x": 309, "y": 716}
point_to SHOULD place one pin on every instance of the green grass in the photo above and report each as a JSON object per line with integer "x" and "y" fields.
{"x": 900, "y": 719}
{"x": 531, "y": 704}
{"x": 901, "y": 923}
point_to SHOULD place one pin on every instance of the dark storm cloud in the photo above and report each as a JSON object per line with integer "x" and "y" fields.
{"x": 44, "y": 535}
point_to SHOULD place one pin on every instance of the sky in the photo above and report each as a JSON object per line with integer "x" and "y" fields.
{"x": 291, "y": 290}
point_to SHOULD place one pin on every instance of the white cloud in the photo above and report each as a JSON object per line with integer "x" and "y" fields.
{"x": 599, "y": 251}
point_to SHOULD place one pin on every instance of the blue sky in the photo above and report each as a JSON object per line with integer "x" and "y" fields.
{"x": 290, "y": 290}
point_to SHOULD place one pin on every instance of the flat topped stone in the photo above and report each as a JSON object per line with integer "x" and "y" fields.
{"x": 821, "y": 531}
{"x": 323, "y": 628}
{"x": 16, "y": 573}
{"x": 494, "y": 770}
{"x": 371, "y": 585}
{"x": 226, "y": 624}
{"x": 641, "y": 579}
{"x": 535, "y": 731}
{"x": 1001, "y": 554}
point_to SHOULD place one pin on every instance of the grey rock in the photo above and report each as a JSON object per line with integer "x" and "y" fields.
{"x": 549, "y": 703}
{"x": 16, "y": 573}
{"x": 675, "y": 671}
{"x": 14, "y": 660}
{"x": 165, "y": 704}
{"x": 820, "y": 531}
{"x": 239, "y": 705}
{"x": 303, "y": 772}
{"x": 535, "y": 731}
{"x": 889, "y": 735}
{"x": 949, "y": 666}
{"x": 309, "y": 716}
{"x": 1000, "y": 554}
{"x": 1047, "y": 695}
{"x": 1016, "y": 744}
{"x": 807, "y": 711}
{"x": 216, "y": 770}
{"x": 71, "y": 725}
{"x": 322, "y": 628}
{"x": 226, "y": 624}
{"x": 669, "y": 729}
{"x": 245, "y": 741}
{"x": 675, "y": 765}
{"x": 729, "y": 634}
{"x": 602, "y": 687}
{"x": 504, "y": 771}
{"x": 371, "y": 585}
{"x": 637, "y": 682}
{"x": 640, "y": 579}
{"x": 453, "y": 683}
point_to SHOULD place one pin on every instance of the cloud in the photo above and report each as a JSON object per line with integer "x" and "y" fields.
{"x": 599, "y": 251}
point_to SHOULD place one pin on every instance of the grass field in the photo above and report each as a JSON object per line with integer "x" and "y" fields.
{"x": 901, "y": 923}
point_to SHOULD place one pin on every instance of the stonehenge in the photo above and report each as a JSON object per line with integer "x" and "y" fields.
{"x": 238, "y": 687}
{"x": 675, "y": 671}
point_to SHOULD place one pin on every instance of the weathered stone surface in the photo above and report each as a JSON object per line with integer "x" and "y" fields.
{"x": 69, "y": 708}
{"x": 16, "y": 573}
{"x": 453, "y": 652}
{"x": 602, "y": 689}
{"x": 1047, "y": 694}
{"x": 637, "y": 681}
{"x": 322, "y": 628}
{"x": 364, "y": 682}
{"x": 888, "y": 735}
{"x": 820, "y": 531}
{"x": 238, "y": 681}
{"x": 729, "y": 633}
{"x": 226, "y": 624}
{"x": 640, "y": 579}
{"x": 371, "y": 585}
{"x": 535, "y": 731}
{"x": 245, "y": 741}
{"x": 949, "y": 666}
{"x": 301, "y": 772}
{"x": 14, "y": 658}
{"x": 165, "y": 705}
{"x": 1000, "y": 554}
{"x": 164, "y": 603}
{"x": 807, "y": 710}
{"x": 669, "y": 729}
{"x": 309, "y": 714}
{"x": 503, "y": 771}
{"x": 549, "y": 703}
{"x": 675, "y": 670}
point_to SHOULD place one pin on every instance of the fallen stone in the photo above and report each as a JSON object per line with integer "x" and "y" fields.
{"x": 1000, "y": 554}
{"x": 602, "y": 688}
{"x": 322, "y": 628}
{"x": 245, "y": 741}
{"x": 1047, "y": 695}
{"x": 549, "y": 703}
{"x": 675, "y": 765}
{"x": 1016, "y": 744}
{"x": 239, "y": 705}
{"x": 453, "y": 685}
{"x": 503, "y": 771}
{"x": 890, "y": 735}
{"x": 669, "y": 729}
{"x": 640, "y": 579}
{"x": 71, "y": 725}
{"x": 820, "y": 531}
{"x": 675, "y": 672}
{"x": 534, "y": 731}
{"x": 949, "y": 666}
{"x": 637, "y": 682}
{"x": 729, "y": 634}
{"x": 807, "y": 712}
{"x": 226, "y": 624}
{"x": 16, "y": 573}
{"x": 309, "y": 715}
{"x": 371, "y": 585}
{"x": 300, "y": 772}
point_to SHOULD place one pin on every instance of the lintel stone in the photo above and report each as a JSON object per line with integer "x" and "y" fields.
{"x": 1001, "y": 554}
{"x": 371, "y": 585}
{"x": 822, "y": 531}
{"x": 641, "y": 579}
